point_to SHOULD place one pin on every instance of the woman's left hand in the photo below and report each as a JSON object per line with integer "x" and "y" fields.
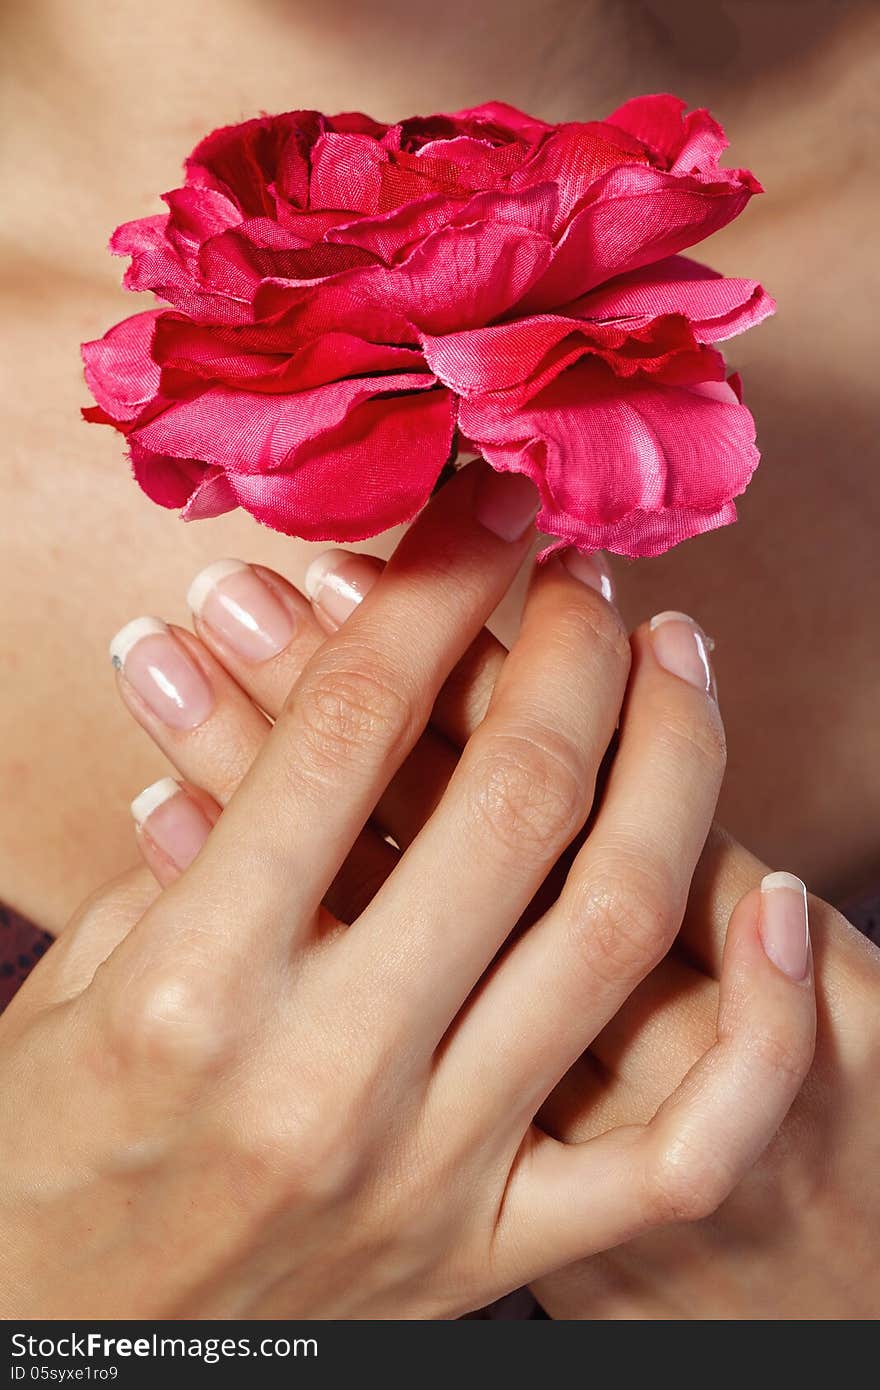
{"x": 774, "y": 1248}
{"x": 332, "y": 1116}
{"x": 260, "y": 631}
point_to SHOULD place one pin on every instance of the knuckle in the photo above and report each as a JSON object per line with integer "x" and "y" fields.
{"x": 170, "y": 1021}
{"x": 621, "y": 928}
{"x": 340, "y": 707}
{"x": 530, "y": 795}
{"x": 306, "y": 1149}
{"x": 686, "y": 1183}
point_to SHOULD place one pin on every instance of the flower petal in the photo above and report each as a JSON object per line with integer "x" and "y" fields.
{"x": 631, "y": 216}
{"x": 503, "y": 117}
{"x": 504, "y": 356}
{"x": 573, "y": 156}
{"x": 212, "y": 497}
{"x": 119, "y": 367}
{"x": 171, "y": 271}
{"x": 377, "y": 469}
{"x": 393, "y": 235}
{"x": 198, "y": 213}
{"x": 458, "y": 277}
{"x": 168, "y": 481}
{"x": 241, "y": 161}
{"x": 346, "y": 172}
{"x": 632, "y": 466}
{"x": 247, "y": 432}
{"x": 716, "y": 307}
{"x": 682, "y": 143}
{"x": 192, "y": 354}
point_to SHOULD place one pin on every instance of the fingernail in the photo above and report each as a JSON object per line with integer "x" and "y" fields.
{"x": 590, "y": 569}
{"x": 506, "y": 504}
{"x": 236, "y": 604}
{"x": 172, "y": 820}
{"x": 156, "y": 665}
{"x": 683, "y": 649}
{"x": 785, "y": 930}
{"x": 337, "y": 581}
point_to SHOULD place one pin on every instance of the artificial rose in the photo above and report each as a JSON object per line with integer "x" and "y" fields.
{"x": 352, "y": 302}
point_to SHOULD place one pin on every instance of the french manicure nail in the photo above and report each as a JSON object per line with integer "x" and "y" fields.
{"x": 682, "y": 648}
{"x": 172, "y": 820}
{"x": 337, "y": 581}
{"x": 241, "y": 609}
{"x": 158, "y": 667}
{"x": 591, "y": 570}
{"x": 785, "y": 930}
{"x": 506, "y": 504}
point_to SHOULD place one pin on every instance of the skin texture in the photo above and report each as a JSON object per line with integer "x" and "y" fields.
{"x": 282, "y": 1127}
{"x": 803, "y": 790}
{"x": 785, "y": 593}
{"x": 795, "y": 1238}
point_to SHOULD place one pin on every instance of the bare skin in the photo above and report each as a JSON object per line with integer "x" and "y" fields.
{"x": 100, "y": 105}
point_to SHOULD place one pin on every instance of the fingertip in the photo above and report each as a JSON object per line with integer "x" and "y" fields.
{"x": 337, "y": 581}
{"x": 172, "y": 823}
{"x": 773, "y": 917}
{"x": 785, "y": 924}
{"x": 590, "y": 569}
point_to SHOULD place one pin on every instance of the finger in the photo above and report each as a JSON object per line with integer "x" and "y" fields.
{"x": 464, "y": 701}
{"x": 188, "y": 704}
{"x": 172, "y": 822}
{"x": 519, "y": 795}
{"x": 660, "y": 1031}
{"x": 208, "y": 727}
{"x": 625, "y": 895}
{"x": 725, "y": 872}
{"x": 715, "y": 1125}
{"x": 645, "y": 1050}
{"x": 414, "y": 794}
{"x": 847, "y": 964}
{"x": 261, "y": 628}
{"x": 263, "y": 632}
{"x": 364, "y": 698}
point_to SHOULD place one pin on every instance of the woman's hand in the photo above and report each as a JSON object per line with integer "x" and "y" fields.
{"x": 795, "y": 1239}
{"x": 336, "y": 1080}
{"x": 250, "y": 1109}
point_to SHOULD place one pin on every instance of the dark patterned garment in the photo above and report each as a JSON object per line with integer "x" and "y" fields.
{"x": 21, "y": 946}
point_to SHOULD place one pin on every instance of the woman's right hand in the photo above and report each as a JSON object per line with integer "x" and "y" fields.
{"x": 245, "y": 1108}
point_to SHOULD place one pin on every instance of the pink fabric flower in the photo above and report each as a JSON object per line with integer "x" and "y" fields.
{"x": 352, "y": 301}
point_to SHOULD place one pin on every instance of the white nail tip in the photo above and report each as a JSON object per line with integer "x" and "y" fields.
{"x": 670, "y": 617}
{"x": 782, "y": 880}
{"x": 320, "y": 568}
{"x": 208, "y": 578}
{"x": 152, "y": 797}
{"x": 129, "y": 636}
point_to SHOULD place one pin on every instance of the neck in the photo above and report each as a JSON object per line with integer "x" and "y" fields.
{"x": 104, "y": 101}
